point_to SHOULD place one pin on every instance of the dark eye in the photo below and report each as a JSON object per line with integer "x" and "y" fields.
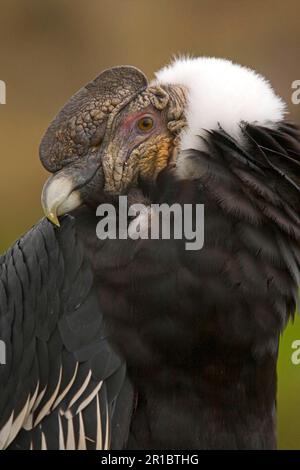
{"x": 145, "y": 124}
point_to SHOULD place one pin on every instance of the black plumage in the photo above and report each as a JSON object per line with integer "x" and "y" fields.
{"x": 54, "y": 390}
{"x": 142, "y": 344}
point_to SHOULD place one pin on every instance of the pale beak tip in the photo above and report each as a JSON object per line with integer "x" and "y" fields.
{"x": 53, "y": 218}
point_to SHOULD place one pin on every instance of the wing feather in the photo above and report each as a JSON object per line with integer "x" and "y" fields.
{"x": 62, "y": 375}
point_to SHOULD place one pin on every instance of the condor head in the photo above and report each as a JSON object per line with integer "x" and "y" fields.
{"x": 115, "y": 131}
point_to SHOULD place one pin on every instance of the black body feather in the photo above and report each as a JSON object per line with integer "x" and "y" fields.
{"x": 183, "y": 343}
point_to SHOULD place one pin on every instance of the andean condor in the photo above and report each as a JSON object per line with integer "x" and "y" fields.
{"x": 141, "y": 343}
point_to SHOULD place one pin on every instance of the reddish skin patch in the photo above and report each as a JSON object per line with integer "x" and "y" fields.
{"x": 129, "y": 120}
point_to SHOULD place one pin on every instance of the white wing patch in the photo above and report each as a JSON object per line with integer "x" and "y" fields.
{"x": 67, "y": 438}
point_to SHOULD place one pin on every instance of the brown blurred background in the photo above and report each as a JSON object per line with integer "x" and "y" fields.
{"x": 50, "y": 48}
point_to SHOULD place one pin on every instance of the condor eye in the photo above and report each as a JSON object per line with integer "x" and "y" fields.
{"x": 145, "y": 124}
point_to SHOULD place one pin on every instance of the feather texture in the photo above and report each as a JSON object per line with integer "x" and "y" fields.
{"x": 51, "y": 380}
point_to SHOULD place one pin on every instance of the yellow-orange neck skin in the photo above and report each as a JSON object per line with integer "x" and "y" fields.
{"x": 156, "y": 157}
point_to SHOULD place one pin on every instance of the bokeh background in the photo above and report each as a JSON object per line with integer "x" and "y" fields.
{"x": 50, "y": 48}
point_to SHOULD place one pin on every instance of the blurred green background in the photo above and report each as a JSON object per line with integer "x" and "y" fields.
{"x": 50, "y": 48}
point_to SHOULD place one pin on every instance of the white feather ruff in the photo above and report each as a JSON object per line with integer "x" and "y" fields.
{"x": 221, "y": 93}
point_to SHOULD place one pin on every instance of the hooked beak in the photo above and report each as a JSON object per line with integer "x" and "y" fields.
{"x": 59, "y": 197}
{"x": 62, "y": 192}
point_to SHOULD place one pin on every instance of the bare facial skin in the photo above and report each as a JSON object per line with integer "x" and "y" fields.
{"x": 114, "y": 131}
{"x": 140, "y": 145}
